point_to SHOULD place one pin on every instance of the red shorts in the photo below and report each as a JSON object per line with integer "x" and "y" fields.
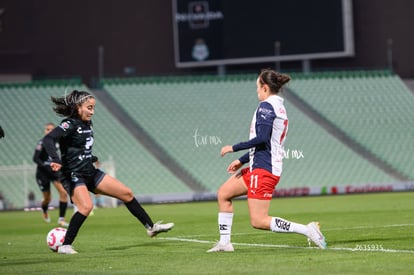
{"x": 260, "y": 183}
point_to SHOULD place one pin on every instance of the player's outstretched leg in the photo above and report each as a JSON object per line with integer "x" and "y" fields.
{"x": 310, "y": 230}
{"x": 139, "y": 212}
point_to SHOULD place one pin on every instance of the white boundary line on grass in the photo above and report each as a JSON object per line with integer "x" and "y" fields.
{"x": 190, "y": 239}
{"x": 324, "y": 229}
{"x": 289, "y": 246}
{"x": 370, "y": 227}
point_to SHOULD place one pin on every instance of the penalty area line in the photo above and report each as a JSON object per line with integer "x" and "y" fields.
{"x": 289, "y": 246}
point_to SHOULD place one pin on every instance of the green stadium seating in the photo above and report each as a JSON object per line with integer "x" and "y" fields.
{"x": 191, "y": 118}
{"x": 375, "y": 110}
{"x": 27, "y": 108}
{"x": 172, "y": 111}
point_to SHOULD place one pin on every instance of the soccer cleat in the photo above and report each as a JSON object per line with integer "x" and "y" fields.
{"x": 158, "y": 227}
{"x": 46, "y": 217}
{"x": 218, "y": 247}
{"x": 315, "y": 235}
{"x": 66, "y": 249}
{"x": 62, "y": 223}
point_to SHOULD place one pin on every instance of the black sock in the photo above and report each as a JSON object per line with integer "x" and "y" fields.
{"x": 136, "y": 209}
{"x": 62, "y": 208}
{"x": 75, "y": 223}
{"x": 45, "y": 206}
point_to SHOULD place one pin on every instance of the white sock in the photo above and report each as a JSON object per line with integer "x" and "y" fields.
{"x": 281, "y": 225}
{"x": 225, "y": 221}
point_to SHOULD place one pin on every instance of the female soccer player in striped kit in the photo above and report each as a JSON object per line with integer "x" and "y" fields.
{"x": 268, "y": 132}
{"x": 75, "y": 136}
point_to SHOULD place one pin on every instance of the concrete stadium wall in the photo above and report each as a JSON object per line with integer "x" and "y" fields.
{"x": 54, "y": 38}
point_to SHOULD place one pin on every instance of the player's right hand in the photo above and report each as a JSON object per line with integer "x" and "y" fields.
{"x": 226, "y": 149}
{"x": 55, "y": 166}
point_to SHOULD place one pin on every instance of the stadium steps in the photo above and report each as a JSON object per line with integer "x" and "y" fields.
{"x": 316, "y": 158}
{"x": 174, "y": 112}
{"x": 25, "y": 110}
{"x": 191, "y": 118}
{"x": 372, "y": 109}
{"x": 343, "y": 137}
{"x": 151, "y": 146}
{"x": 170, "y": 111}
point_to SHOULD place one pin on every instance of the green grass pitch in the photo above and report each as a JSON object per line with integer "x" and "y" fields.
{"x": 366, "y": 234}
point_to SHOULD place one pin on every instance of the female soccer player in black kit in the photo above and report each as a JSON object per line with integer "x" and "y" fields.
{"x": 45, "y": 175}
{"x": 75, "y": 136}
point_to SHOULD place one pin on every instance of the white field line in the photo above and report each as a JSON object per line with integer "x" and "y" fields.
{"x": 370, "y": 227}
{"x": 191, "y": 239}
{"x": 323, "y": 230}
{"x": 289, "y": 246}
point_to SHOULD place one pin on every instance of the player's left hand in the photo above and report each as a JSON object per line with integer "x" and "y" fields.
{"x": 234, "y": 166}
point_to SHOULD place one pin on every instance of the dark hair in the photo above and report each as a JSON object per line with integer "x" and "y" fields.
{"x": 273, "y": 79}
{"x": 68, "y": 105}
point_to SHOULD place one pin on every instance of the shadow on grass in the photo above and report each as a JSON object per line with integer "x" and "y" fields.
{"x": 29, "y": 261}
{"x": 145, "y": 244}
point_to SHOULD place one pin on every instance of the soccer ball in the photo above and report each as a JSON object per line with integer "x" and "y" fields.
{"x": 55, "y": 238}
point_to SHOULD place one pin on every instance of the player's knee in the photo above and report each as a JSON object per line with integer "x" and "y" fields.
{"x": 127, "y": 195}
{"x": 63, "y": 197}
{"x": 222, "y": 195}
{"x": 85, "y": 209}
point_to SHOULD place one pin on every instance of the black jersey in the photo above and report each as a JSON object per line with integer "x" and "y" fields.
{"x": 41, "y": 158}
{"x": 75, "y": 138}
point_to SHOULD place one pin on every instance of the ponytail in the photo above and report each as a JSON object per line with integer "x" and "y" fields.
{"x": 67, "y": 105}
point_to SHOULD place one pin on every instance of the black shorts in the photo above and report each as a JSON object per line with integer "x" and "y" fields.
{"x": 91, "y": 182}
{"x": 44, "y": 177}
